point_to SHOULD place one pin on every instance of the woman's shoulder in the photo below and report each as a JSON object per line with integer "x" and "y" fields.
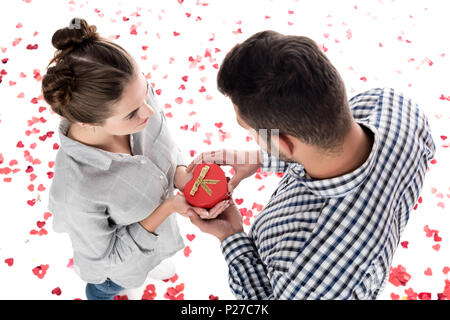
{"x": 75, "y": 183}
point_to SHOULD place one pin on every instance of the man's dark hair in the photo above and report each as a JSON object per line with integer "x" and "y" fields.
{"x": 286, "y": 82}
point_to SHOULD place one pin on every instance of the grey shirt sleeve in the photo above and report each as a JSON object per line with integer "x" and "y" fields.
{"x": 100, "y": 241}
{"x": 181, "y": 158}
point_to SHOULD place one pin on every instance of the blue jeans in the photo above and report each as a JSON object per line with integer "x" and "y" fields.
{"x": 103, "y": 291}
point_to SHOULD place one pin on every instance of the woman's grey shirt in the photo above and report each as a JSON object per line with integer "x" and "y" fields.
{"x": 99, "y": 197}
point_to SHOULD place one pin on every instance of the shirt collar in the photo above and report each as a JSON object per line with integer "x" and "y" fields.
{"x": 339, "y": 186}
{"x": 83, "y": 153}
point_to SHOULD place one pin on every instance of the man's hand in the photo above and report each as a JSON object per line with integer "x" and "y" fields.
{"x": 245, "y": 163}
{"x": 179, "y": 204}
{"x": 227, "y": 223}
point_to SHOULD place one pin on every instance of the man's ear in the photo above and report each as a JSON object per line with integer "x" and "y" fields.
{"x": 281, "y": 144}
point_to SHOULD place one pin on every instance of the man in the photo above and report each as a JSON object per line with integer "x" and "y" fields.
{"x": 353, "y": 170}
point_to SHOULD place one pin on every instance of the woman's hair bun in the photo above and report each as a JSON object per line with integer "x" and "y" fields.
{"x": 57, "y": 87}
{"x": 78, "y": 32}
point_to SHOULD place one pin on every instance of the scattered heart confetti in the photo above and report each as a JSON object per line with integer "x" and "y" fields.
{"x": 192, "y": 92}
{"x": 149, "y": 292}
{"x": 398, "y": 276}
{"x": 190, "y": 237}
{"x": 9, "y": 261}
{"x": 187, "y": 251}
{"x": 40, "y": 271}
{"x": 57, "y": 291}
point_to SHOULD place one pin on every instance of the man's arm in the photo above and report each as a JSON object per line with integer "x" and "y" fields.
{"x": 330, "y": 264}
{"x": 247, "y": 275}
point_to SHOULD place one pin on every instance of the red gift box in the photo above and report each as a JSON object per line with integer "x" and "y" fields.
{"x": 208, "y": 186}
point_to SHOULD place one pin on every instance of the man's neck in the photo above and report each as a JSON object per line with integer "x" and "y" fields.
{"x": 355, "y": 151}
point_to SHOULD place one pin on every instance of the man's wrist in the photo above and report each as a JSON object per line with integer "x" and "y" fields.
{"x": 236, "y": 245}
{"x": 228, "y": 234}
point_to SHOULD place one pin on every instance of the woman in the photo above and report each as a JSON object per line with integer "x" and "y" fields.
{"x": 117, "y": 167}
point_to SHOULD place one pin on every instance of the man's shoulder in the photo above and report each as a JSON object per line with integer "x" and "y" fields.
{"x": 367, "y": 96}
{"x": 375, "y": 104}
{"x": 377, "y": 96}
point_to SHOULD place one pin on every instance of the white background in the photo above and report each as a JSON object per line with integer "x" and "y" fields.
{"x": 400, "y": 44}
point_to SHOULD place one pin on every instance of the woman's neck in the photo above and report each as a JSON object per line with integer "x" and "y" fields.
{"x": 98, "y": 139}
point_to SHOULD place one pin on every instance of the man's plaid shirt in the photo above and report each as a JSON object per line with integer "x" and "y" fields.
{"x": 335, "y": 238}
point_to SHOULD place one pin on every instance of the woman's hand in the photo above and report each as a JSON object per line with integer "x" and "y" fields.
{"x": 228, "y": 223}
{"x": 179, "y": 204}
{"x": 182, "y": 177}
{"x": 245, "y": 163}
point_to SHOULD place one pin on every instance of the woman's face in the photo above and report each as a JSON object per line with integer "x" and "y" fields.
{"x": 132, "y": 111}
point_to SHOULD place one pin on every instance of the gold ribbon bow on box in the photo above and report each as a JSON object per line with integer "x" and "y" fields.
{"x": 201, "y": 181}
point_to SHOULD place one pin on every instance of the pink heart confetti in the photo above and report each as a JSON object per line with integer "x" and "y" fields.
{"x": 187, "y": 251}
{"x": 190, "y": 237}
{"x": 9, "y": 261}
{"x": 57, "y": 291}
{"x": 398, "y": 276}
{"x": 40, "y": 271}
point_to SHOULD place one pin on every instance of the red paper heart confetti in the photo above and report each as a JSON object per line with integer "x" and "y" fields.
{"x": 411, "y": 294}
{"x": 395, "y": 296}
{"x": 40, "y": 224}
{"x": 57, "y": 291}
{"x": 173, "y": 293}
{"x": 436, "y": 247}
{"x": 190, "y": 237}
{"x": 187, "y": 251}
{"x": 424, "y": 296}
{"x": 179, "y": 100}
{"x": 149, "y": 292}
{"x": 398, "y": 276}
{"x": 40, "y": 271}
{"x": 173, "y": 279}
{"x": 9, "y": 261}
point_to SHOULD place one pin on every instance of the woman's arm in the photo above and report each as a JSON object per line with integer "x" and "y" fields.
{"x": 178, "y": 204}
{"x": 157, "y": 217}
{"x": 182, "y": 177}
{"x": 165, "y": 209}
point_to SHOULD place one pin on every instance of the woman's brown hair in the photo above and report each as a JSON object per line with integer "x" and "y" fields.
{"x": 89, "y": 74}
